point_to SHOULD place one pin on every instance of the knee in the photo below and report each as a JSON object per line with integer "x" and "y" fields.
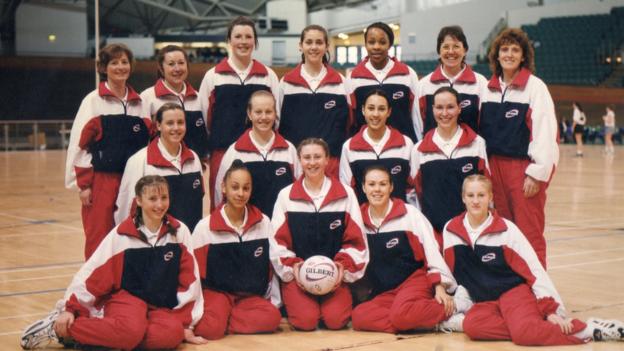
{"x": 273, "y": 319}
{"x": 166, "y": 335}
{"x": 471, "y": 327}
{"x": 336, "y": 321}
{"x": 211, "y": 328}
{"x": 358, "y": 317}
{"x": 129, "y": 335}
{"x": 305, "y": 322}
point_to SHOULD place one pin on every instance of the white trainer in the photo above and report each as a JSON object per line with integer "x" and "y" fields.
{"x": 605, "y": 329}
{"x": 462, "y": 300}
{"x": 40, "y": 333}
{"x": 453, "y": 324}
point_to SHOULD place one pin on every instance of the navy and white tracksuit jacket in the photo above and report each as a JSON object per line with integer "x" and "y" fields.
{"x": 334, "y": 230}
{"x": 401, "y": 245}
{"x": 186, "y": 184}
{"x": 163, "y": 275}
{"x": 233, "y": 262}
{"x": 401, "y": 87}
{"x": 105, "y": 133}
{"x": 519, "y": 122}
{"x": 470, "y": 86}
{"x": 321, "y": 113}
{"x": 438, "y": 178}
{"x": 358, "y": 154}
{"x": 270, "y": 173}
{"x": 196, "y": 137}
{"x": 500, "y": 259}
{"x": 224, "y": 98}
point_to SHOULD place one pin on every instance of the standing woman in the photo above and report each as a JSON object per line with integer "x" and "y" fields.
{"x": 271, "y": 159}
{"x": 232, "y": 251}
{"x": 227, "y": 87}
{"x": 455, "y": 73}
{"x": 380, "y": 71}
{"x": 169, "y": 157}
{"x": 443, "y": 159}
{"x": 609, "y": 123}
{"x": 578, "y": 125}
{"x": 317, "y": 215}
{"x": 409, "y": 278}
{"x": 172, "y": 87}
{"x": 107, "y": 130}
{"x": 139, "y": 289}
{"x": 313, "y": 98}
{"x": 376, "y": 144}
{"x": 514, "y": 297}
{"x": 519, "y": 125}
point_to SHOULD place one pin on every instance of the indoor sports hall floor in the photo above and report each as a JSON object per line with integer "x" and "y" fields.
{"x": 41, "y": 244}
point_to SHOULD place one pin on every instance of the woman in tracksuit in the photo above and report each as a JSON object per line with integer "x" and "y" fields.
{"x": 227, "y": 87}
{"x": 313, "y": 98}
{"x": 172, "y": 87}
{"x": 519, "y": 125}
{"x": 380, "y": 71}
{"x": 455, "y": 73}
{"x": 317, "y": 215}
{"x": 408, "y": 278}
{"x": 514, "y": 297}
{"x": 376, "y": 143}
{"x": 440, "y": 162}
{"x": 109, "y": 128}
{"x": 167, "y": 156}
{"x": 232, "y": 251}
{"x": 271, "y": 159}
{"x": 140, "y": 288}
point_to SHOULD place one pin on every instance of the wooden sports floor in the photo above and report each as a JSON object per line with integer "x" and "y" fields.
{"x": 41, "y": 244}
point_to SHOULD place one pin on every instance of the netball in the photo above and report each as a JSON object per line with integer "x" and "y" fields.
{"x": 318, "y": 275}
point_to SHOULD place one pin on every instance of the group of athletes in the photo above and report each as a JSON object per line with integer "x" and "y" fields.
{"x": 428, "y": 195}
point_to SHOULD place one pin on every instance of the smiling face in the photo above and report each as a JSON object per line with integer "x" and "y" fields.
{"x": 174, "y": 68}
{"x": 118, "y": 69}
{"x": 313, "y": 160}
{"x": 510, "y": 56}
{"x": 376, "y": 112}
{"x": 242, "y": 42}
{"x": 154, "y": 202}
{"x": 446, "y": 110}
{"x": 313, "y": 46}
{"x": 262, "y": 113}
{"x": 377, "y": 45}
{"x": 236, "y": 188}
{"x": 477, "y": 197}
{"x": 377, "y": 187}
{"x": 172, "y": 128}
{"x": 452, "y": 53}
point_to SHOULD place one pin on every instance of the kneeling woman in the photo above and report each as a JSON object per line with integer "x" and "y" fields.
{"x": 408, "y": 275}
{"x": 515, "y": 298}
{"x": 169, "y": 157}
{"x": 140, "y": 288}
{"x": 317, "y": 215}
{"x": 232, "y": 250}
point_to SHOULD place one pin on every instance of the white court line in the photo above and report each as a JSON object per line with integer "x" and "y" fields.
{"x": 584, "y": 264}
{"x": 34, "y": 219}
{"x": 585, "y": 252}
{"x": 11, "y": 333}
{"x": 37, "y": 278}
{"x": 24, "y": 315}
{"x": 11, "y": 236}
{"x": 43, "y": 268}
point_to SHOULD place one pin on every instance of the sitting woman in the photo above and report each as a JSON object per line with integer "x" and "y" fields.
{"x": 408, "y": 276}
{"x": 232, "y": 251}
{"x": 140, "y": 287}
{"x": 515, "y": 298}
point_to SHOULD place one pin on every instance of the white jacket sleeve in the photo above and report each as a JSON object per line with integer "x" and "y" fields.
{"x": 84, "y": 114}
{"x": 344, "y": 171}
{"x": 135, "y": 169}
{"x": 282, "y": 256}
{"x": 543, "y": 148}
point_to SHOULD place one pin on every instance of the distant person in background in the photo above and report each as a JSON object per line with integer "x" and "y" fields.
{"x": 109, "y": 128}
{"x": 578, "y": 126}
{"x": 519, "y": 125}
{"x": 609, "y": 124}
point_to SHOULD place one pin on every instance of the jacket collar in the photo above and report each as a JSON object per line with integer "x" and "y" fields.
{"x": 294, "y": 77}
{"x": 160, "y": 89}
{"x": 218, "y": 224}
{"x": 156, "y": 158}
{"x": 104, "y": 91}
{"x": 519, "y": 82}
{"x": 128, "y": 228}
{"x": 428, "y": 145}
{"x": 245, "y": 144}
{"x": 358, "y": 143}
{"x": 398, "y": 210}
{"x": 336, "y": 192}
{"x": 360, "y": 71}
{"x": 257, "y": 69}
{"x": 456, "y": 226}
{"x": 467, "y": 76}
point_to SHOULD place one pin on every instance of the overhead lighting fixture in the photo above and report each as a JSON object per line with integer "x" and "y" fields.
{"x": 343, "y": 36}
{"x": 52, "y": 38}
{"x": 393, "y": 26}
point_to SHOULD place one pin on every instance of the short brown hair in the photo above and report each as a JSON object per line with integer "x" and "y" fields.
{"x": 313, "y": 141}
{"x": 111, "y": 52}
{"x": 512, "y": 36}
{"x": 161, "y": 57}
{"x": 242, "y": 21}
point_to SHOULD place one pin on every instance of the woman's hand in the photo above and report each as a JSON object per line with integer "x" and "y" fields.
{"x": 296, "y": 269}
{"x": 531, "y": 186}
{"x": 62, "y": 324}
{"x": 85, "y": 197}
{"x": 565, "y": 324}
{"x": 191, "y": 338}
{"x": 444, "y": 299}
{"x": 340, "y": 275}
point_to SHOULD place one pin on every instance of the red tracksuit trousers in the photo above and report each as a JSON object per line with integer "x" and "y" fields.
{"x": 97, "y": 219}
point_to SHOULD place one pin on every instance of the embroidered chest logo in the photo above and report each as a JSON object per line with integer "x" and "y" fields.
{"x": 199, "y": 122}
{"x": 168, "y": 256}
{"x": 512, "y": 113}
{"x": 280, "y": 171}
{"x": 330, "y": 104}
{"x": 258, "y": 251}
{"x": 396, "y": 169}
{"x": 465, "y": 103}
{"x": 392, "y": 243}
{"x": 488, "y": 257}
{"x": 136, "y": 128}
{"x": 467, "y": 167}
{"x": 335, "y": 224}
{"x": 398, "y": 95}
{"x": 196, "y": 183}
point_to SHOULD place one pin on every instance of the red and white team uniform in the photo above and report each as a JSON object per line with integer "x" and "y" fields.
{"x": 240, "y": 291}
{"x": 328, "y": 224}
{"x": 106, "y": 132}
{"x": 183, "y": 173}
{"x": 513, "y": 294}
{"x": 519, "y": 126}
{"x": 138, "y": 289}
{"x": 405, "y": 266}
